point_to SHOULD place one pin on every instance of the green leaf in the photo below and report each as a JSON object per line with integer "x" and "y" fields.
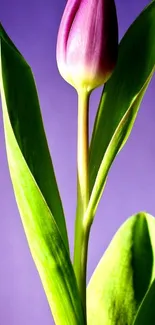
{"x": 124, "y": 274}
{"x": 117, "y": 109}
{"x": 35, "y": 185}
{"x": 25, "y": 117}
{"x": 146, "y": 312}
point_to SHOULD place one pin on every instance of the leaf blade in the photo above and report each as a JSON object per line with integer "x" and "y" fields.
{"x": 44, "y": 233}
{"x": 123, "y": 274}
{"x": 28, "y": 127}
{"x": 125, "y": 84}
{"x": 122, "y": 131}
{"x": 146, "y": 312}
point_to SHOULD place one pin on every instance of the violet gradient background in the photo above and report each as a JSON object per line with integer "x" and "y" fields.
{"x": 33, "y": 27}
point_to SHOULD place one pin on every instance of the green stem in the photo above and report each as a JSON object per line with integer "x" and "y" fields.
{"x": 81, "y": 234}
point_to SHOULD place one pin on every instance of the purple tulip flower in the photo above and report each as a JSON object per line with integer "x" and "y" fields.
{"x": 87, "y": 43}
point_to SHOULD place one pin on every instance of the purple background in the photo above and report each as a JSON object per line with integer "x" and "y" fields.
{"x": 33, "y": 27}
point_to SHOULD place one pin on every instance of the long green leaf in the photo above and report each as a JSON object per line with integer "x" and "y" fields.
{"x": 121, "y": 133}
{"x": 124, "y": 274}
{"x": 25, "y": 117}
{"x": 146, "y": 312}
{"x": 136, "y": 61}
{"x": 35, "y": 186}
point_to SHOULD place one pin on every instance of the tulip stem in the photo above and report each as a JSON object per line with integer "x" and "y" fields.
{"x": 82, "y": 234}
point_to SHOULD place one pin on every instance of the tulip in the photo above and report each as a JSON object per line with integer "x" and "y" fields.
{"x": 86, "y": 56}
{"x": 87, "y": 43}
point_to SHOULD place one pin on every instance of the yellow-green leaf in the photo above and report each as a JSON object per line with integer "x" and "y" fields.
{"x": 35, "y": 186}
{"x": 124, "y": 274}
{"x": 134, "y": 69}
{"x": 25, "y": 117}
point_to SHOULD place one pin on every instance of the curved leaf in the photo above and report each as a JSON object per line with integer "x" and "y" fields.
{"x": 136, "y": 62}
{"x": 25, "y": 117}
{"x": 35, "y": 185}
{"x": 146, "y": 312}
{"x": 124, "y": 274}
{"x": 121, "y": 133}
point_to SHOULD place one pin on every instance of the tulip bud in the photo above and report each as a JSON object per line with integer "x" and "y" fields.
{"x": 87, "y": 43}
